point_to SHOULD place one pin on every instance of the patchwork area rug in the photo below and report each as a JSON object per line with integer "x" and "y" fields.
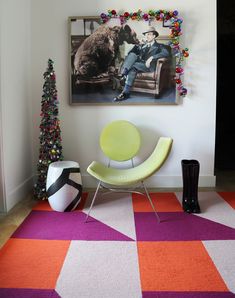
{"x": 122, "y": 252}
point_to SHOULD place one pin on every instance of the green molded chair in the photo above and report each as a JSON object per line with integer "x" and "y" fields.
{"x": 120, "y": 141}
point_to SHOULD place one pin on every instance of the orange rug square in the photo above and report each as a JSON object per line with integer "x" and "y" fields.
{"x": 229, "y": 197}
{"x": 163, "y": 202}
{"x": 177, "y": 266}
{"x": 43, "y": 206}
{"x": 31, "y": 263}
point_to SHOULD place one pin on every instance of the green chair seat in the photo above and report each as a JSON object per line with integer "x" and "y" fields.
{"x": 125, "y": 177}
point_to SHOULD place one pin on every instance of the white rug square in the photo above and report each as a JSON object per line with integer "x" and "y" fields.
{"x": 100, "y": 269}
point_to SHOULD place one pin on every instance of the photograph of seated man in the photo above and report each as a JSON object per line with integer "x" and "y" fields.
{"x": 141, "y": 58}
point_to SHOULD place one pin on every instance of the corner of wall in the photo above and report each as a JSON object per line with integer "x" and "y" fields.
{"x": 19, "y": 193}
{"x": 2, "y": 178}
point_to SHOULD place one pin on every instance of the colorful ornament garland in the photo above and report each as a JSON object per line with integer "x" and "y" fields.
{"x": 159, "y": 15}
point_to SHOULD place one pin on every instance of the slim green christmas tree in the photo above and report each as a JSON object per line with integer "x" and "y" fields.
{"x": 50, "y": 133}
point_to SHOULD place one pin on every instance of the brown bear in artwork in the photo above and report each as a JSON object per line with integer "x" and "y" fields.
{"x": 98, "y": 52}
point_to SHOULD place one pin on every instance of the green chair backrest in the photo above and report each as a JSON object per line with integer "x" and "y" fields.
{"x": 120, "y": 140}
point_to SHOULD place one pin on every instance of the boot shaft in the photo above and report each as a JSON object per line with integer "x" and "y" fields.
{"x": 190, "y": 173}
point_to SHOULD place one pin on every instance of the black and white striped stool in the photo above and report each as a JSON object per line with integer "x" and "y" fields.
{"x": 64, "y": 185}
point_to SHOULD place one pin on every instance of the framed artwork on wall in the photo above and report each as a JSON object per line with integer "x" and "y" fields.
{"x": 99, "y": 54}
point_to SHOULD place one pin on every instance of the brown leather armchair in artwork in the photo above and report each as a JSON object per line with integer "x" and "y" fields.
{"x": 160, "y": 79}
{"x": 157, "y": 81}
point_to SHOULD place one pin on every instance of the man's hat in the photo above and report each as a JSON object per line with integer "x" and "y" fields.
{"x": 151, "y": 29}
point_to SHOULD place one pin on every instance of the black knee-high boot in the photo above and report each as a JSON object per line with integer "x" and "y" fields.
{"x": 190, "y": 171}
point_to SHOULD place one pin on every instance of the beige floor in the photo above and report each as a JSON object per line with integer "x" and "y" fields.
{"x": 8, "y": 223}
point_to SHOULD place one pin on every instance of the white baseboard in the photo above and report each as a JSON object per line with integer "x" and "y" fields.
{"x": 158, "y": 181}
{"x": 19, "y": 193}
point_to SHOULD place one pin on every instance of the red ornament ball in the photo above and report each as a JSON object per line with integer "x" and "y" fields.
{"x": 178, "y": 81}
{"x": 178, "y": 70}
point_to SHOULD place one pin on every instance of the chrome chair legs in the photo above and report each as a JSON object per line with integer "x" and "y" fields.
{"x": 122, "y": 190}
{"x": 93, "y": 200}
{"x": 151, "y": 202}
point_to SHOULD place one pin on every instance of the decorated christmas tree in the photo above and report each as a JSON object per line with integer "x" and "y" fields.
{"x": 50, "y": 135}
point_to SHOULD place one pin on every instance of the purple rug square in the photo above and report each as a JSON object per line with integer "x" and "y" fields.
{"x": 179, "y": 226}
{"x": 28, "y": 293}
{"x": 52, "y": 225}
{"x": 187, "y": 295}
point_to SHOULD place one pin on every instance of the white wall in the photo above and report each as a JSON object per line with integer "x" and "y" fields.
{"x": 16, "y": 114}
{"x": 191, "y": 124}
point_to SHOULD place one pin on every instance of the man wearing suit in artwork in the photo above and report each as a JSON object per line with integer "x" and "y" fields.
{"x": 142, "y": 58}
